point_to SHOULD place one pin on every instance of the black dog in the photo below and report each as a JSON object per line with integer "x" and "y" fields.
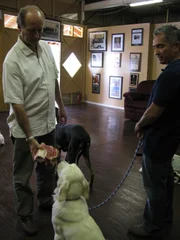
{"x": 74, "y": 140}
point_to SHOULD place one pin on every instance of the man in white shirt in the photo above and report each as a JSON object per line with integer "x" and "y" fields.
{"x": 31, "y": 88}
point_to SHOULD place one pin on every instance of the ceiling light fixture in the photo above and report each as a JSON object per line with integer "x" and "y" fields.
{"x": 144, "y": 3}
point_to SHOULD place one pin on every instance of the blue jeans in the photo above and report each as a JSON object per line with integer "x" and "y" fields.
{"x": 158, "y": 179}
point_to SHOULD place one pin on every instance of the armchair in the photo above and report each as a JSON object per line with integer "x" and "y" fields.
{"x": 135, "y": 103}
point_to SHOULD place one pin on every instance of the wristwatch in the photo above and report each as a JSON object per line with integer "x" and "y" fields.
{"x": 29, "y": 138}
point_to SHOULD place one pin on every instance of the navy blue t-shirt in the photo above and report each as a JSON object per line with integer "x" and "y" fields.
{"x": 162, "y": 137}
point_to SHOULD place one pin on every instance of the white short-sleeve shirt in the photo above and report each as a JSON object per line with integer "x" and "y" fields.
{"x": 30, "y": 80}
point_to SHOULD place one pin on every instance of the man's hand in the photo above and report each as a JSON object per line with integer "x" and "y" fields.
{"x": 138, "y": 131}
{"x": 34, "y": 146}
{"x": 62, "y": 116}
{"x": 152, "y": 113}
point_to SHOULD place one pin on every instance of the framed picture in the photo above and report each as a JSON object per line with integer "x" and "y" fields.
{"x": 117, "y": 59}
{"x": 135, "y": 62}
{"x": 96, "y": 78}
{"x": 115, "y": 87}
{"x": 51, "y": 30}
{"x": 137, "y": 37}
{"x": 98, "y": 41}
{"x": 131, "y": 89}
{"x": 117, "y": 42}
{"x": 134, "y": 78}
{"x": 97, "y": 59}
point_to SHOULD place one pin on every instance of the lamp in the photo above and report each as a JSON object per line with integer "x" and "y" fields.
{"x": 144, "y": 3}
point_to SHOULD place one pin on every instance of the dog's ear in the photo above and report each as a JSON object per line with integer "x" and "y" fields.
{"x": 60, "y": 166}
{"x": 85, "y": 192}
{"x": 62, "y": 191}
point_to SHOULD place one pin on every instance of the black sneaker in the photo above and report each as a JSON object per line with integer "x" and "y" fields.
{"x": 28, "y": 226}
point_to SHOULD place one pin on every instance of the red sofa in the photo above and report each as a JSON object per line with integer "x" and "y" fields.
{"x": 135, "y": 103}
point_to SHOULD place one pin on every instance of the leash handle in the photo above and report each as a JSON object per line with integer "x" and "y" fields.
{"x": 140, "y": 144}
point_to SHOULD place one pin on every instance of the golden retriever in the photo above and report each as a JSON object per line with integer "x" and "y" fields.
{"x": 70, "y": 215}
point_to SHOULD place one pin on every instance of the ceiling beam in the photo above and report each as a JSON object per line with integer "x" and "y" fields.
{"x": 108, "y": 4}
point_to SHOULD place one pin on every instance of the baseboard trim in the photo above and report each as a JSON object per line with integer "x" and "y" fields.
{"x": 104, "y": 105}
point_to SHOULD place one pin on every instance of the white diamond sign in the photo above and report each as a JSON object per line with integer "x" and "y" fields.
{"x": 72, "y": 64}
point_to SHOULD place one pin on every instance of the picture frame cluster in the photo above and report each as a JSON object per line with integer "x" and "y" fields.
{"x": 97, "y": 43}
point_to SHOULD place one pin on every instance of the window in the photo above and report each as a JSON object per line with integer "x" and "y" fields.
{"x": 78, "y": 31}
{"x": 70, "y": 16}
{"x": 68, "y": 30}
{"x": 10, "y": 21}
{"x": 72, "y": 31}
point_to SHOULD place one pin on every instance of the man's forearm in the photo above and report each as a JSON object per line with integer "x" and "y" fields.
{"x": 146, "y": 121}
{"x": 22, "y": 119}
{"x": 150, "y": 115}
{"x": 58, "y": 96}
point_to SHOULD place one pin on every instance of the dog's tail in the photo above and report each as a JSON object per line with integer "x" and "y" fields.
{"x": 84, "y": 151}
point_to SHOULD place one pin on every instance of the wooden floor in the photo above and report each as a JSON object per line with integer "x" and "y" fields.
{"x": 112, "y": 149}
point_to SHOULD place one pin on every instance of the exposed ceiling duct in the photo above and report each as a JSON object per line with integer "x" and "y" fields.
{"x": 108, "y": 4}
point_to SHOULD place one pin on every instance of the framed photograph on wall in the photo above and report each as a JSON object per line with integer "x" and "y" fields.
{"x": 134, "y": 79}
{"x": 98, "y": 41}
{"x": 115, "y": 87}
{"x": 117, "y": 42}
{"x": 137, "y": 37}
{"x": 97, "y": 59}
{"x": 51, "y": 30}
{"x": 117, "y": 60}
{"x": 135, "y": 62}
{"x": 96, "y": 78}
